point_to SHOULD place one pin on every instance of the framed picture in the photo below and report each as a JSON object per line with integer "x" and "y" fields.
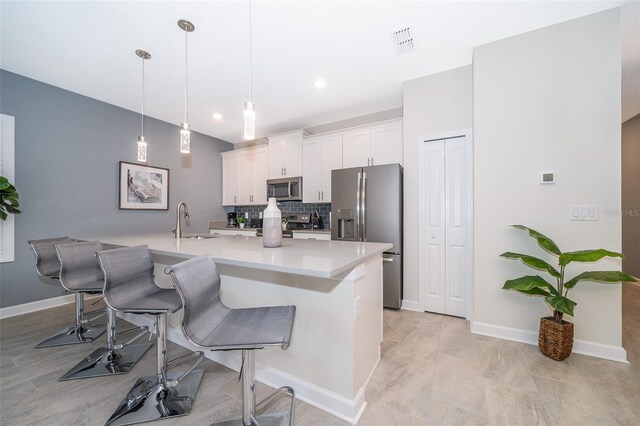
{"x": 143, "y": 187}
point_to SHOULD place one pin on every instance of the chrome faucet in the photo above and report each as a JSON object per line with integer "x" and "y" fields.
{"x": 186, "y": 216}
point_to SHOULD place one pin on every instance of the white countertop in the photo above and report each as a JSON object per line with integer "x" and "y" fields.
{"x": 325, "y": 259}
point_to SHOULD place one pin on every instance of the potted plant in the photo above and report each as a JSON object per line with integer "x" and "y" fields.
{"x": 8, "y": 198}
{"x": 555, "y": 338}
{"x": 242, "y": 221}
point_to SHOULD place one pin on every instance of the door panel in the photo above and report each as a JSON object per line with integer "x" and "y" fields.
{"x": 245, "y": 179}
{"x": 386, "y": 144}
{"x": 331, "y": 160}
{"x": 434, "y": 240}
{"x": 312, "y": 169}
{"x": 259, "y": 167}
{"x": 383, "y": 207}
{"x": 344, "y": 196}
{"x": 456, "y": 195}
{"x": 392, "y": 280}
{"x": 229, "y": 180}
{"x": 356, "y": 149}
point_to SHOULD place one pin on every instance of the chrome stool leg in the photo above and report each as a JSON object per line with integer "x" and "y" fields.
{"x": 114, "y": 359}
{"x": 163, "y": 395}
{"x": 249, "y": 406}
{"x": 82, "y": 332}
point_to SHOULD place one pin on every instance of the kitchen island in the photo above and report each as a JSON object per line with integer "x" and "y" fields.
{"x": 336, "y": 287}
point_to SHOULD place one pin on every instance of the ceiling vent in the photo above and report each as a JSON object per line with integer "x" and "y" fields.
{"x": 404, "y": 41}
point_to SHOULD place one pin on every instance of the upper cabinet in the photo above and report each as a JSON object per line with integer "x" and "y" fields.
{"x": 244, "y": 176}
{"x": 320, "y": 155}
{"x": 285, "y": 154}
{"x": 373, "y": 145}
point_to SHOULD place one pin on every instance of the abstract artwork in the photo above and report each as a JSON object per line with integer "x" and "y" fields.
{"x": 143, "y": 187}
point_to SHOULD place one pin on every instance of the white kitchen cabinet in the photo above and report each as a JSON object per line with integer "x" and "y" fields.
{"x": 249, "y": 232}
{"x": 320, "y": 155}
{"x": 285, "y": 154}
{"x": 244, "y": 176}
{"x": 252, "y": 176}
{"x": 301, "y": 235}
{"x": 229, "y": 178}
{"x": 373, "y": 145}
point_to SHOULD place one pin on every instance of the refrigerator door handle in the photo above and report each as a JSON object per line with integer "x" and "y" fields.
{"x": 387, "y": 259}
{"x": 364, "y": 202}
{"x": 358, "y": 205}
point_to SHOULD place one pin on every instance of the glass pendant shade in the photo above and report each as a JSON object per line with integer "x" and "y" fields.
{"x": 185, "y": 139}
{"x": 142, "y": 149}
{"x": 249, "y": 120}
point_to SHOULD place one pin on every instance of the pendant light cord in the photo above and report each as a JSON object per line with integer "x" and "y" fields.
{"x": 186, "y": 78}
{"x": 250, "y": 52}
{"x": 142, "y": 115}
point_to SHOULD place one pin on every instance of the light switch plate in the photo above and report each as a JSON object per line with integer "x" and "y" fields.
{"x": 583, "y": 212}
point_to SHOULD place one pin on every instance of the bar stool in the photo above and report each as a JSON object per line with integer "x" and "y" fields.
{"x": 129, "y": 288}
{"x": 80, "y": 272}
{"x": 209, "y": 324}
{"x": 48, "y": 266}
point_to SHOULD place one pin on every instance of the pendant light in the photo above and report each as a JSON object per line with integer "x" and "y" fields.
{"x": 249, "y": 107}
{"x": 142, "y": 142}
{"x": 185, "y": 131}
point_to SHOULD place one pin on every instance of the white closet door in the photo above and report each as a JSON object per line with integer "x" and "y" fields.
{"x": 446, "y": 188}
{"x": 434, "y": 208}
{"x": 456, "y": 211}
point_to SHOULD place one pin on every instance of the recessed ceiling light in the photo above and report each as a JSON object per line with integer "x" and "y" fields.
{"x": 217, "y": 116}
{"x": 320, "y": 83}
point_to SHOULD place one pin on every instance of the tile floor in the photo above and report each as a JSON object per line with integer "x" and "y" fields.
{"x": 432, "y": 371}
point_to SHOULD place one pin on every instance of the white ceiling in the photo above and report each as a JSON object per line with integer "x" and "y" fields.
{"x": 88, "y": 47}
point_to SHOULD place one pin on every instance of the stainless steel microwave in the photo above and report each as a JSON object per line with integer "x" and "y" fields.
{"x": 285, "y": 189}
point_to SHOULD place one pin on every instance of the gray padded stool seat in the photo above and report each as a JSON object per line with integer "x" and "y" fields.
{"x": 209, "y": 324}
{"x": 129, "y": 288}
{"x": 80, "y": 271}
{"x": 48, "y": 265}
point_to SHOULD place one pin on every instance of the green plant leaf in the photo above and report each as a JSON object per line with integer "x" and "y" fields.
{"x": 543, "y": 241}
{"x": 600, "y": 276}
{"x": 534, "y": 262}
{"x": 531, "y": 284}
{"x": 587, "y": 256}
{"x": 3, "y": 215}
{"x": 561, "y": 304}
{"x": 4, "y": 183}
{"x": 12, "y": 209}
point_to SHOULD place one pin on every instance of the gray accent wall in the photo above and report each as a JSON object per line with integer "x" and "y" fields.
{"x": 631, "y": 196}
{"x": 67, "y": 150}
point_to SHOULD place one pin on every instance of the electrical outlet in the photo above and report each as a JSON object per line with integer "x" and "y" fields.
{"x": 356, "y": 309}
{"x": 583, "y": 212}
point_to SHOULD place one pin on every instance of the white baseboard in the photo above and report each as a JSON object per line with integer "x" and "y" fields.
{"x": 326, "y": 400}
{"x": 38, "y": 305}
{"x": 411, "y": 305}
{"x": 584, "y": 347}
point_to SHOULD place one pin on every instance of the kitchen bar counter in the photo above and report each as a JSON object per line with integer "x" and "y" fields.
{"x": 305, "y": 230}
{"x": 336, "y": 288}
{"x": 326, "y": 259}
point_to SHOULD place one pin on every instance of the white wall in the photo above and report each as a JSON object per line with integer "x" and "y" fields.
{"x": 433, "y": 104}
{"x": 548, "y": 100}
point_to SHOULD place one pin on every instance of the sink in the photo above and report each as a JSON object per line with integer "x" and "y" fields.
{"x": 201, "y": 237}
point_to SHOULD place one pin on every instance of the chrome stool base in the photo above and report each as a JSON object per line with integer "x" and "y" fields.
{"x": 268, "y": 419}
{"x": 103, "y": 362}
{"x": 148, "y": 400}
{"x": 73, "y": 336}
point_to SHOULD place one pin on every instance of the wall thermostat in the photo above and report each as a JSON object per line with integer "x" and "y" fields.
{"x": 547, "y": 177}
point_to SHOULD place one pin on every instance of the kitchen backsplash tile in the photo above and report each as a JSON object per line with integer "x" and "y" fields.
{"x": 290, "y": 207}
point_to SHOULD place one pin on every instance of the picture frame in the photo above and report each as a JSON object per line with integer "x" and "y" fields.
{"x": 143, "y": 187}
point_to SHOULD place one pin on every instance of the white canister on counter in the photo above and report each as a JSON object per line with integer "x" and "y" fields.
{"x": 271, "y": 225}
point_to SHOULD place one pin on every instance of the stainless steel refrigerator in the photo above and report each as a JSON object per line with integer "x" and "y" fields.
{"x": 366, "y": 205}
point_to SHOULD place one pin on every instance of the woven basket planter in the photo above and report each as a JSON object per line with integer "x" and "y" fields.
{"x": 555, "y": 340}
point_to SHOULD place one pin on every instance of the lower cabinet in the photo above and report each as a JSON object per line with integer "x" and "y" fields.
{"x": 249, "y": 232}
{"x": 301, "y": 235}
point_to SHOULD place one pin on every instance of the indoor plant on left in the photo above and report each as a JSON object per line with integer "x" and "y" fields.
{"x": 555, "y": 338}
{"x": 9, "y": 202}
